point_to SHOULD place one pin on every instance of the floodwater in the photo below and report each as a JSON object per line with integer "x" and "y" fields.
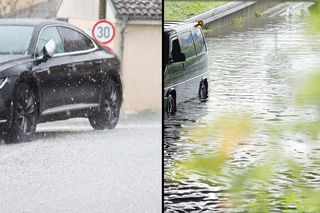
{"x": 253, "y": 71}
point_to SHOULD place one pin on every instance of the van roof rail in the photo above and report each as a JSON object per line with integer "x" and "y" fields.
{"x": 179, "y": 25}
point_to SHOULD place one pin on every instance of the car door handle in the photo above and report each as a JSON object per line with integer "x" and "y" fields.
{"x": 71, "y": 67}
{"x": 96, "y": 62}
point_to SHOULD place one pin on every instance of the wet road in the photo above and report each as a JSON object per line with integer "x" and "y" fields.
{"x": 69, "y": 167}
{"x": 252, "y": 71}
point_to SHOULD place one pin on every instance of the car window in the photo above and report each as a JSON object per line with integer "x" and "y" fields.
{"x": 198, "y": 41}
{"x": 187, "y": 45}
{"x": 15, "y": 39}
{"x": 45, "y": 36}
{"x": 74, "y": 41}
{"x": 176, "y": 50}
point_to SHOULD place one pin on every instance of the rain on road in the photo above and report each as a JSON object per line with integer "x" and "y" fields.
{"x": 69, "y": 167}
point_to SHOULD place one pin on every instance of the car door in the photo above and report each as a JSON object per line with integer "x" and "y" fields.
{"x": 201, "y": 51}
{"x": 175, "y": 73}
{"x": 86, "y": 72}
{"x": 52, "y": 74}
{"x": 176, "y": 69}
{"x": 191, "y": 85}
{"x": 188, "y": 48}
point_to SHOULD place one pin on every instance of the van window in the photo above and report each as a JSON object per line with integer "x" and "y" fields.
{"x": 198, "y": 40}
{"x": 176, "y": 50}
{"x": 187, "y": 45}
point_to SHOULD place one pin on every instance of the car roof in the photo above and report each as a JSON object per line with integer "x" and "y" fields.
{"x": 30, "y": 21}
{"x": 177, "y": 26}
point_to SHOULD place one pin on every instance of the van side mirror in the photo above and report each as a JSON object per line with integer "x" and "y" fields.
{"x": 179, "y": 58}
{"x": 49, "y": 49}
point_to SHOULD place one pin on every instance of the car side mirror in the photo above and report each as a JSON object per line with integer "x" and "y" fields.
{"x": 179, "y": 58}
{"x": 49, "y": 49}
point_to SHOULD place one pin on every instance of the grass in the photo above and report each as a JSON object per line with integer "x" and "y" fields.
{"x": 181, "y": 10}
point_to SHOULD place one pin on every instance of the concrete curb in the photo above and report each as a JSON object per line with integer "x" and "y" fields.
{"x": 220, "y": 12}
{"x": 228, "y": 9}
{"x": 239, "y": 15}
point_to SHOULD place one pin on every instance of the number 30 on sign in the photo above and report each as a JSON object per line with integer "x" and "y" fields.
{"x": 103, "y": 32}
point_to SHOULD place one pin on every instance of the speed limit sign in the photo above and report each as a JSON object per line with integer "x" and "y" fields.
{"x": 103, "y": 32}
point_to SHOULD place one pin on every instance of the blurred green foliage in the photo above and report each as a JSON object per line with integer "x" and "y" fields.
{"x": 250, "y": 187}
{"x": 314, "y": 24}
{"x": 309, "y": 91}
{"x": 258, "y": 14}
{"x": 239, "y": 22}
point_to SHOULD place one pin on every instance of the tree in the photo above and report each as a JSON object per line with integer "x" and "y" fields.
{"x": 7, "y": 6}
{"x": 12, "y": 8}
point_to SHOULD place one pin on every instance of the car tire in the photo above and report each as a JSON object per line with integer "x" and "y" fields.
{"x": 203, "y": 91}
{"x": 109, "y": 112}
{"x": 25, "y": 115}
{"x": 171, "y": 105}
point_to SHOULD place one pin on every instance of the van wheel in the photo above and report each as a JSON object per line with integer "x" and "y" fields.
{"x": 171, "y": 105}
{"x": 203, "y": 91}
{"x": 25, "y": 113}
{"x": 110, "y": 109}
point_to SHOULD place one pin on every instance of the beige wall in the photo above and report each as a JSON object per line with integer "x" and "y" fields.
{"x": 141, "y": 69}
{"x": 79, "y": 9}
{"x": 85, "y": 25}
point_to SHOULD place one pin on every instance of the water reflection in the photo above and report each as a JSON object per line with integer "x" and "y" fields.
{"x": 254, "y": 71}
{"x": 188, "y": 114}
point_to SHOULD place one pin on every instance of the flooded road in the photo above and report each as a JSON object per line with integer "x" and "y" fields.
{"x": 70, "y": 167}
{"x": 255, "y": 71}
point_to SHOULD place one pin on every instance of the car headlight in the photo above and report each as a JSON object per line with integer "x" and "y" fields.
{"x": 3, "y": 81}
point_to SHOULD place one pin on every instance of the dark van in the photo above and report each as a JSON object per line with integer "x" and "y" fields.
{"x": 185, "y": 67}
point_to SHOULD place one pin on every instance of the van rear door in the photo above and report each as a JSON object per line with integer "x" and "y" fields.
{"x": 201, "y": 50}
{"x": 175, "y": 69}
{"x": 191, "y": 64}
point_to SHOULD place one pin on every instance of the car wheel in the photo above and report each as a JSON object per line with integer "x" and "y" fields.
{"x": 203, "y": 91}
{"x": 25, "y": 113}
{"x": 108, "y": 115}
{"x": 171, "y": 105}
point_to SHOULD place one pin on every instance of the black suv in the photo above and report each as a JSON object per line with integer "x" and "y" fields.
{"x": 51, "y": 70}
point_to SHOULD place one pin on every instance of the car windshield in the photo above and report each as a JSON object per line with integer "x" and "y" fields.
{"x": 15, "y": 39}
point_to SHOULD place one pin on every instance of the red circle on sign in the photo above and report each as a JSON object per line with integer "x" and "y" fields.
{"x": 94, "y": 35}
